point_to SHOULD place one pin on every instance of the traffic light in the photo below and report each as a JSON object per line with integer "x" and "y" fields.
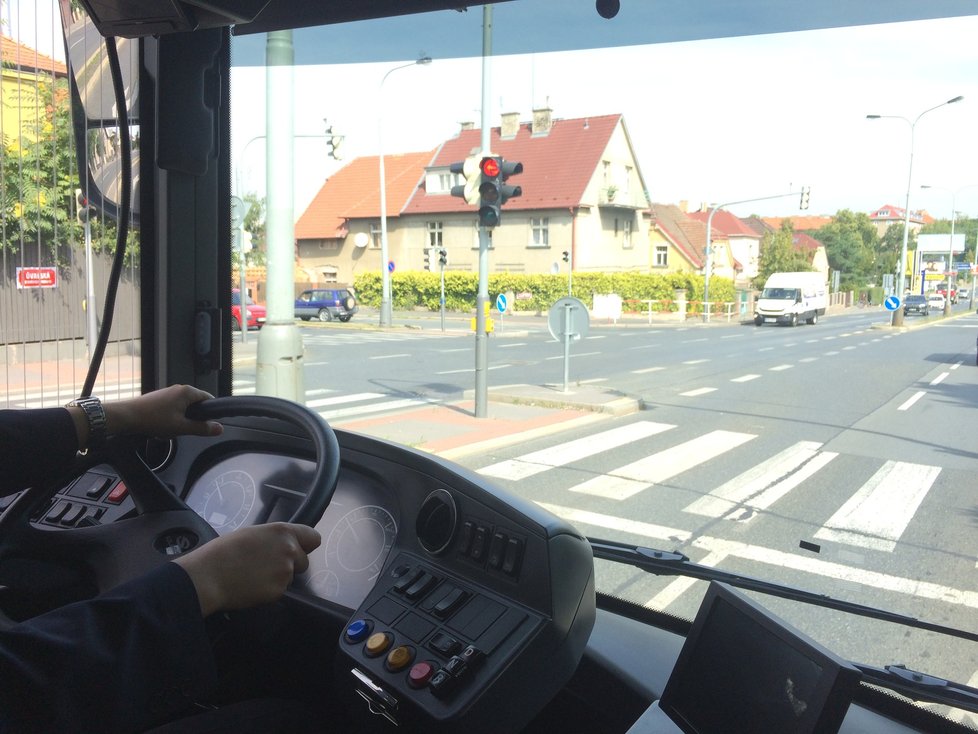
{"x": 566, "y": 256}
{"x": 805, "y": 191}
{"x": 493, "y": 191}
{"x": 469, "y": 168}
{"x": 427, "y": 258}
{"x": 84, "y": 211}
{"x": 333, "y": 142}
{"x": 443, "y": 257}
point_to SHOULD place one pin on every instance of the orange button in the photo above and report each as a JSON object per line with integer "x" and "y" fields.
{"x": 378, "y": 642}
{"x": 399, "y": 658}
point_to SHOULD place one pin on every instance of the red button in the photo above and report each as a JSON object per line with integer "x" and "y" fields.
{"x": 420, "y": 674}
{"x": 118, "y": 493}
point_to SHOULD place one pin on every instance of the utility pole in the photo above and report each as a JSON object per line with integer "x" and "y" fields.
{"x": 482, "y": 295}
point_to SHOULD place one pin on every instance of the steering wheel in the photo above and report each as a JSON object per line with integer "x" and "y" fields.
{"x": 164, "y": 526}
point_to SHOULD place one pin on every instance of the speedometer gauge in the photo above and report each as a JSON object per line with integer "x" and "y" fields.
{"x": 359, "y": 543}
{"x": 226, "y": 502}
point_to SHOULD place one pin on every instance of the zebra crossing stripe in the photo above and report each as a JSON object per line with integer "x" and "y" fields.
{"x": 744, "y": 496}
{"x": 878, "y": 513}
{"x": 334, "y": 415}
{"x": 554, "y": 456}
{"x": 631, "y": 479}
{"x": 339, "y": 399}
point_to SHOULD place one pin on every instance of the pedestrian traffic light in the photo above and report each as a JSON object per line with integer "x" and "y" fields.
{"x": 443, "y": 257}
{"x": 805, "y": 191}
{"x": 427, "y": 258}
{"x": 84, "y": 211}
{"x": 469, "y": 168}
{"x": 566, "y": 256}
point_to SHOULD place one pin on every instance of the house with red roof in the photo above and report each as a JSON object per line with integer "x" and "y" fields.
{"x": 582, "y": 192}
{"x": 22, "y": 71}
{"x": 743, "y": 242}
{"x": 888, "y": 215}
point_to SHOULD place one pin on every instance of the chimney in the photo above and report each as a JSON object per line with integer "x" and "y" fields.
{"x": 684, "y": 206}
{"x": 510, "y": 125}
{"x": 542, "y": 121}
{"x": 468, "y": 125}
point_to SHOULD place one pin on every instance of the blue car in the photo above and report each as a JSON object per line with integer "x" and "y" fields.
{"x": 326, "y": 304}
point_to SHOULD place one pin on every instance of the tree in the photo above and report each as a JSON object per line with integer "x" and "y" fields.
{"x": 851, "y": 244}
{"x": 778, "y": 254}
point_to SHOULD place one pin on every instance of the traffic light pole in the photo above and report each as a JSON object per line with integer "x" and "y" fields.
{"x": 482, "y": 295}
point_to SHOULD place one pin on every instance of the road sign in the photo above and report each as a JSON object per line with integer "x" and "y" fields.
{"x": 501, "y": 303}
{"x": 892, "y": 303}
{"x": 390, "y": 266}
{"x": 568, "y": 317}
{"x": 37, "y": 277}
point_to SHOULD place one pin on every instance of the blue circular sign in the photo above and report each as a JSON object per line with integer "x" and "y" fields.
{"x": 892, "y": 303}
{"x": 501, "y": 302}
{"x": 390, "y": 266}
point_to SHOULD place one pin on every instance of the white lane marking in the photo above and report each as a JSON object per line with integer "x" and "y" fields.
{"x": 808, "y": 359}
{"x": 470, "y": 369}
{"x": 539, "y": 461}
{"x": 764, "y": 484}
{"x": 333, "y": 415}
{"x": 697, "y": 391}
{"x": 507, "y": 346}
{"x": 910, "y": 401}
{"x": 339, "y": 399}
{"x": 582, "y": 354}
{"x": 831, "y": 354}
{"x": 628, "y": 480}
{"x": 954, "y": 367}
{"x": 876, "y": 515}
{"x": 592, "y": 381}
{"x": 695, "y": 361}
{"x": 647, "y": 370}
{"x": 390, "y": 356}
{"x": 759, "y": 554}
{"x": 683, "y": 584}
{"x": 744, "y": 378}
{"x": 781, "y": 367}
{"x": 940, "y": 378}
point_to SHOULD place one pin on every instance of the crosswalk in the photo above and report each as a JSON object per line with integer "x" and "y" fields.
{"x": 339, "y": 408}
{"x": 874, "y": 516}
{"x": 325, "y": 338}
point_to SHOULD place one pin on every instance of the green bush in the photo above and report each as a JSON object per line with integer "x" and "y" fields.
{"x": 412, "y": 290}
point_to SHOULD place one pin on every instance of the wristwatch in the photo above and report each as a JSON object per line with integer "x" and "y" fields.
{"x": 95, "y": 415}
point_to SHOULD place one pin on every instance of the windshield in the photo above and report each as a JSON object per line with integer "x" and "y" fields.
{"x": 591, "y": 335}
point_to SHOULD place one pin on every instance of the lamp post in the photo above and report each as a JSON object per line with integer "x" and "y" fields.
{"x": 385, "y": 276}
{"x": 897, "y": 315}
{"x": 950, "y": 248}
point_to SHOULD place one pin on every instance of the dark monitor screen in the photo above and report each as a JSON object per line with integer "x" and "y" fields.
{"x": 744, "y": 671}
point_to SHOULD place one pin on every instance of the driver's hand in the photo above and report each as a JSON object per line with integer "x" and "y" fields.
{"x": 161, "y": 413}
{"x": 250, "y": 566}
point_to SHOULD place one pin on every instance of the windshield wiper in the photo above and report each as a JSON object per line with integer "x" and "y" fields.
{"x": 921, "y": 686}
{"x": 672, "y": 563}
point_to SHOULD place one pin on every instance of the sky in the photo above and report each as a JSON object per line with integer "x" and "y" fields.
{"x": 716, "y": 121}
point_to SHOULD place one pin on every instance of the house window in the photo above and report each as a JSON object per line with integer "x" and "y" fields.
{"x": 540, "y": 232}
{"x": 628, "y": 179}
{"x": 661, "y": 256}
{"x": 626, "y": 234}
{"x": 375, "y": 241}
{"x": 434, "y": 234}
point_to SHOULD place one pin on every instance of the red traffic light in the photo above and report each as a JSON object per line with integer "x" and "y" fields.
{"x": 490, "y": 167}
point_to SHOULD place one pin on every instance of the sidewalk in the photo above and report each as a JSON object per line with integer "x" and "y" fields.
{"x": 514, "y": 414}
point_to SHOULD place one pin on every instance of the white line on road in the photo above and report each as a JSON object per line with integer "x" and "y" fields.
{"x": 647, "y": 370}
{"x": 908, "y": 403}
{"x": 940, "y": 378}
{"x": 781, "y": 367}
{"x": 697, "y": 392}
{"x": 876, "y": 516}
{"x": 744, "y": 378}
{"x": 759, "y": 554}
{"x": 390, "y": 356}
{"x": 695, "y": 361}
{"x": 334, "y": 415}
{"x": 339, "y": 399}
{"x": 539, "y": 461}
{"x": 628, "y": 480}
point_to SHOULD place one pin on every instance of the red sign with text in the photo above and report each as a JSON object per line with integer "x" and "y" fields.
{"x": 37, "y": 277}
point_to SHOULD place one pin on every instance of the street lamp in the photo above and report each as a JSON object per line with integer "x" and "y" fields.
{"x": 897, "y": 318}
{"x": 385, "y": 276}
{"x": 950, "y": 249}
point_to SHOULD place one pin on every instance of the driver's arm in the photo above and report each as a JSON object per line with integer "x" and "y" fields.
{"x": 39, "y": 443}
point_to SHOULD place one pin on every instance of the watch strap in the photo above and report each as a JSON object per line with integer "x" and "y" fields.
{"x": 95, "y": 415}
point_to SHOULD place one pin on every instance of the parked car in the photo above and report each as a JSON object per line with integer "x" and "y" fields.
{"x": 963, "y": 293}
{"x": 254, "y": 313}
{"x": 916, "y": 303}
{"x": 326, "y": 304}
{"x": 936, "y": 301}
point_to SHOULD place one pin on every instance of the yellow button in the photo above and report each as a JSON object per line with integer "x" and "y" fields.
{"x": 378, "y": 642}
{"x": 399, "y": 658}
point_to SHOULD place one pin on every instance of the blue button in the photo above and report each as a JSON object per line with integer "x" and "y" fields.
{"x": 357, "y": 630}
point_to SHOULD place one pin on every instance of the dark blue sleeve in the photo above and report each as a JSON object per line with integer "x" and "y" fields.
{"x": 34, "y": 445}
{"x": 131, "y": 658}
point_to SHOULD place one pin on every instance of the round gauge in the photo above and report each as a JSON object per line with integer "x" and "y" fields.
{"x": 226, "y": 502}
{"x": 325, "y": 583}
{"x": 361, "y": 540}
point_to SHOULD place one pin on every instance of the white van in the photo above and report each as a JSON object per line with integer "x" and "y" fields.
{"x": 788, "y": 298}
